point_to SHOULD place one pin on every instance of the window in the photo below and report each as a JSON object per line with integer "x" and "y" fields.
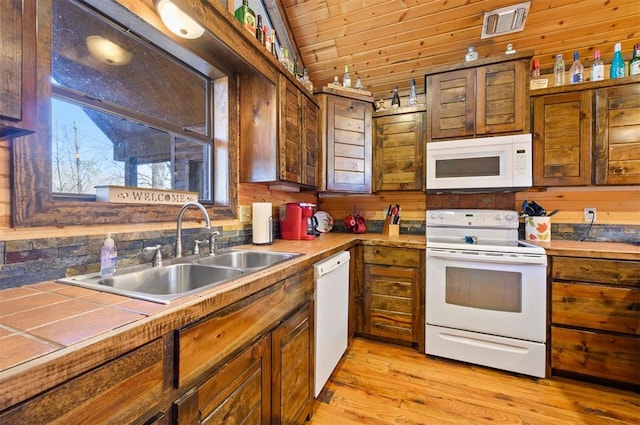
{"x": 124, "y": 112}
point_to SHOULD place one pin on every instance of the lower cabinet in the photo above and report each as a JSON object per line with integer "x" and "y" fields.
{"x": 251, "y": 363}
{"x": 118, "y": 392}
{"x": 392, "y": 294}
{"x": 595, "y": 318}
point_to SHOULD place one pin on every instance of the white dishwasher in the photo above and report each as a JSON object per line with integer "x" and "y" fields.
{"x": 331, "y": 314}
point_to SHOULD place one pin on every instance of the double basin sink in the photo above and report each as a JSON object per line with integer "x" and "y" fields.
{"x": 189, "y": 275}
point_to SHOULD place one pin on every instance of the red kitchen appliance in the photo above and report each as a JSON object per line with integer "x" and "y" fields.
{"x": 297, "y": 221}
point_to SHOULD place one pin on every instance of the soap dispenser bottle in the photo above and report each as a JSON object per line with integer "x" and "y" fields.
{"x": 108, "y": 257}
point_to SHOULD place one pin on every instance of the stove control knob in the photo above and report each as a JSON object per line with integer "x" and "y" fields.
{"x": 509, "y": 217}
{"x": 441, "y": 216}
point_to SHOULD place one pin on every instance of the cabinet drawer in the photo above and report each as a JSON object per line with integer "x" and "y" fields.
{"x": 201, "y": 346}
{"x": 402, "y": 257}
{"x": 615, "y": 272}
{"x": 594, "y": 354}
{"x": 119, "y": 391}
{"x": 597, "y": 307}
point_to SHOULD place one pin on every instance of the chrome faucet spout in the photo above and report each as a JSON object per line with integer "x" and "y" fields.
{"x": 186, "y": 206}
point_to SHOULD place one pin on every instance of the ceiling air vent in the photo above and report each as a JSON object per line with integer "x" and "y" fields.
{"x": 505, "y": 20}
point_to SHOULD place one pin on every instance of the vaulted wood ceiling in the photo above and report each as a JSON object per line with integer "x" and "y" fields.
{"x": 388, "y": 42}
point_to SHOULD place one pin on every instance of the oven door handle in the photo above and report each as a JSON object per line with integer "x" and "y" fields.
{"x": 487, "y": 257}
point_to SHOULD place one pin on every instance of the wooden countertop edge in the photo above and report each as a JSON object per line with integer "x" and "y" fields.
{"x": 32, "y": 377}
{"x": 608, "y": 250}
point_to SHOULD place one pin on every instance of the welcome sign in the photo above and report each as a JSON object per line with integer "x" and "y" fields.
{"x": 137, "y": 195}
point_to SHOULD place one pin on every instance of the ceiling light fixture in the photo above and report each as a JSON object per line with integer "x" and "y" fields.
{"x": 177, "y": 21}
{"x": 107, "y": 51}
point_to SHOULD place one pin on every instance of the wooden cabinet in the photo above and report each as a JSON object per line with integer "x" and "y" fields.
{"x": 279, "y": 133}
{"x": 269, "y": 381}
{"x": 398, "y": 159}
{"x": 345, "y": 131}
{"x": 618, "y": 135}
{"x": 310, "y": 143}
{"x": 595, "y": 318}
{"x": 562, "y": 139}
{"x": 18, "y": 68}
{"x": 292, "y": 369}
{"x": 393, "y": 294}
{"x": 587, "y": 134}
{"x": 478, "y": 101}
{"x": 240, "y": 389}
{"x": 119, "y": 391}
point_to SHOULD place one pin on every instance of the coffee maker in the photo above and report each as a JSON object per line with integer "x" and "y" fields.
{"x": 297, "y": 221}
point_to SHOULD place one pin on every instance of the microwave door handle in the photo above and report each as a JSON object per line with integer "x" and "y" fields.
{"x": 485, "y": 258}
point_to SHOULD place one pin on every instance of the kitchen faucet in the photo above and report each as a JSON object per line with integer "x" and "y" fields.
{"x": 207, "y": 225}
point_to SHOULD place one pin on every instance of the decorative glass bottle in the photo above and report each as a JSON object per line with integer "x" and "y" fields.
{"x": 558, "y": 71}
{"x": 597, "y": 67}
{"x": 634, "y": 63}
{"x": 413, "y": 97}
{"x": 617, "y": 65}
{"x": 346, "y": 79}
{"x": 395, "y": 101}
{"x": 577, "y": 70}
{"x": 247, "y": 17}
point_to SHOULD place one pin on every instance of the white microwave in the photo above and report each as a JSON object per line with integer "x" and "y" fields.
{"x": 487, "y": 164}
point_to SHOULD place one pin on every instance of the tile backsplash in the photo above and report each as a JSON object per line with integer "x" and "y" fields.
{"x": 25, "y": 262}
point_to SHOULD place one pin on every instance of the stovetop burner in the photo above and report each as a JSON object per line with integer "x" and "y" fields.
{"x": 477, "y": 230}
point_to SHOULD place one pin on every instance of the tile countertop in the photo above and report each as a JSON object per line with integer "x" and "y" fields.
{"x": 51, "y": 332}
{"x": 70, "y": 329}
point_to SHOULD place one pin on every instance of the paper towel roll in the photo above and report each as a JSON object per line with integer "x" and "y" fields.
{"x": 262, "y": 212}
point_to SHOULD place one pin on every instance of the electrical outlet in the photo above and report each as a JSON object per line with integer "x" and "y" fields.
{"x": 244, "y": 213}
{"x": 589, "y": 215}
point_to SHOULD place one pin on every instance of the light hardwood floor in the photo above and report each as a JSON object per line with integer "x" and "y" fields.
{"x": 377, "y": 383}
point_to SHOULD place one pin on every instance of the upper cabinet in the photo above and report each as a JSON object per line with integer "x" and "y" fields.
{"x": 278, "y": 133}
{"x": 18, "y": 68}
{"x": 478, "y": 99}
{"x": 345, "y": 132}
{"x": 562, "y": 139}
{"x": 398, "y": 140}
{"x": 618, "y": 135}
{"x": 587, "y": 134}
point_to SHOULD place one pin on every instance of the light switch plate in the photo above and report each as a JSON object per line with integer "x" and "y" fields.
{"x": 244, "y": 214}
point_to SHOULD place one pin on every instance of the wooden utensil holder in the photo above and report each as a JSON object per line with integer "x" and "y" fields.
{"x": 393, "y": 230}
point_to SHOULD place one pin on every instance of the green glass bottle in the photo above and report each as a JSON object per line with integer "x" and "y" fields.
{"x": 247, "y": 17}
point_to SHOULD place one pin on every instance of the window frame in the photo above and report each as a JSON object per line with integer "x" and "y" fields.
{"x": 34, "y": 203}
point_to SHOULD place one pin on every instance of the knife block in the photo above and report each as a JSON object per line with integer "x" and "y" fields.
{"x": 393, "y": 230}
{"x": 385, "y": 226}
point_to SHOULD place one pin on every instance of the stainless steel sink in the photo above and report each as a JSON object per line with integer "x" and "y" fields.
{"x": 192, "y": 274}
{"x": 247, "y": 260}
{"x": 159, "y": 284}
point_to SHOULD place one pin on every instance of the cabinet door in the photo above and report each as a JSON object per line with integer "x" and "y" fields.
{"x": 398, "y": 156}
{"x": 451, "y": 96}
{"x": 389, "y": 302}
{"x": 239, "y": 391}
{"x": 17, "y": 68}
{"x": 393, "y": 294}
{"x": 292, "y": 369}
{"x": 290, "y": 137}
{"x": 348, "y": 145}
{"x": 562, "y": 139}
{"x": 118, "y": 392}
{"x": 618, "y": 135}
{"x": 501, "y": 104}
{"x": 310, "y": 155}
